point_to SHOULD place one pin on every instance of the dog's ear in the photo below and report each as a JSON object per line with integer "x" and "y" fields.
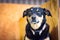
{"x": 47, "y": 12}
{"x": 24, "y": 13}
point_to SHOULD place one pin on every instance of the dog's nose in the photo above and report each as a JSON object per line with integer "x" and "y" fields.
{"x": 33, "y": 17}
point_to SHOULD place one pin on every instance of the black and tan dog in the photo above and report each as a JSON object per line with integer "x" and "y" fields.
{"x": 37, "y": 28}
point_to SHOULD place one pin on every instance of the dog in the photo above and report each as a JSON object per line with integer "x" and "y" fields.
{"x": 37, "y": 28}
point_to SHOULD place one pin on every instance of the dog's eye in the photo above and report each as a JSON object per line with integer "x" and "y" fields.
{"x": 39, "y": 14}
{"x": 29, "y": 13}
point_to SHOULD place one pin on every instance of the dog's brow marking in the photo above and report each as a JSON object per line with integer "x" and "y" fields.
{"x": 31, "y": 9}
{"x": 37, "y": 9}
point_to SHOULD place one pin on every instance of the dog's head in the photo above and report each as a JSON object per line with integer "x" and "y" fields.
{"x": 36, "y": 15}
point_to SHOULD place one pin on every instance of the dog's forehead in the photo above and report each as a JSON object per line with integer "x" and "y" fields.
{"x": 36, "y": 9}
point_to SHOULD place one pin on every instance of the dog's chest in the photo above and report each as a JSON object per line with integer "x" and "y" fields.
{"x": 37, "y": 34}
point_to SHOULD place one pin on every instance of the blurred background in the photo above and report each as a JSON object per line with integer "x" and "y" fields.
{"x": 59, "y": 22}
{"x": 12, "y": 23}
{"x": 38, "y": 2}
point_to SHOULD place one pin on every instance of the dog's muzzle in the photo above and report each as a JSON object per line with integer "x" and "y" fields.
{"x": 34, "y": 20}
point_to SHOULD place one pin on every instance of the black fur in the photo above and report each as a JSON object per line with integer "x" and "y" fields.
{"x": 30, "y": 35}
{"x": 42, "y": 10}
{"x": 43, "y": 35}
